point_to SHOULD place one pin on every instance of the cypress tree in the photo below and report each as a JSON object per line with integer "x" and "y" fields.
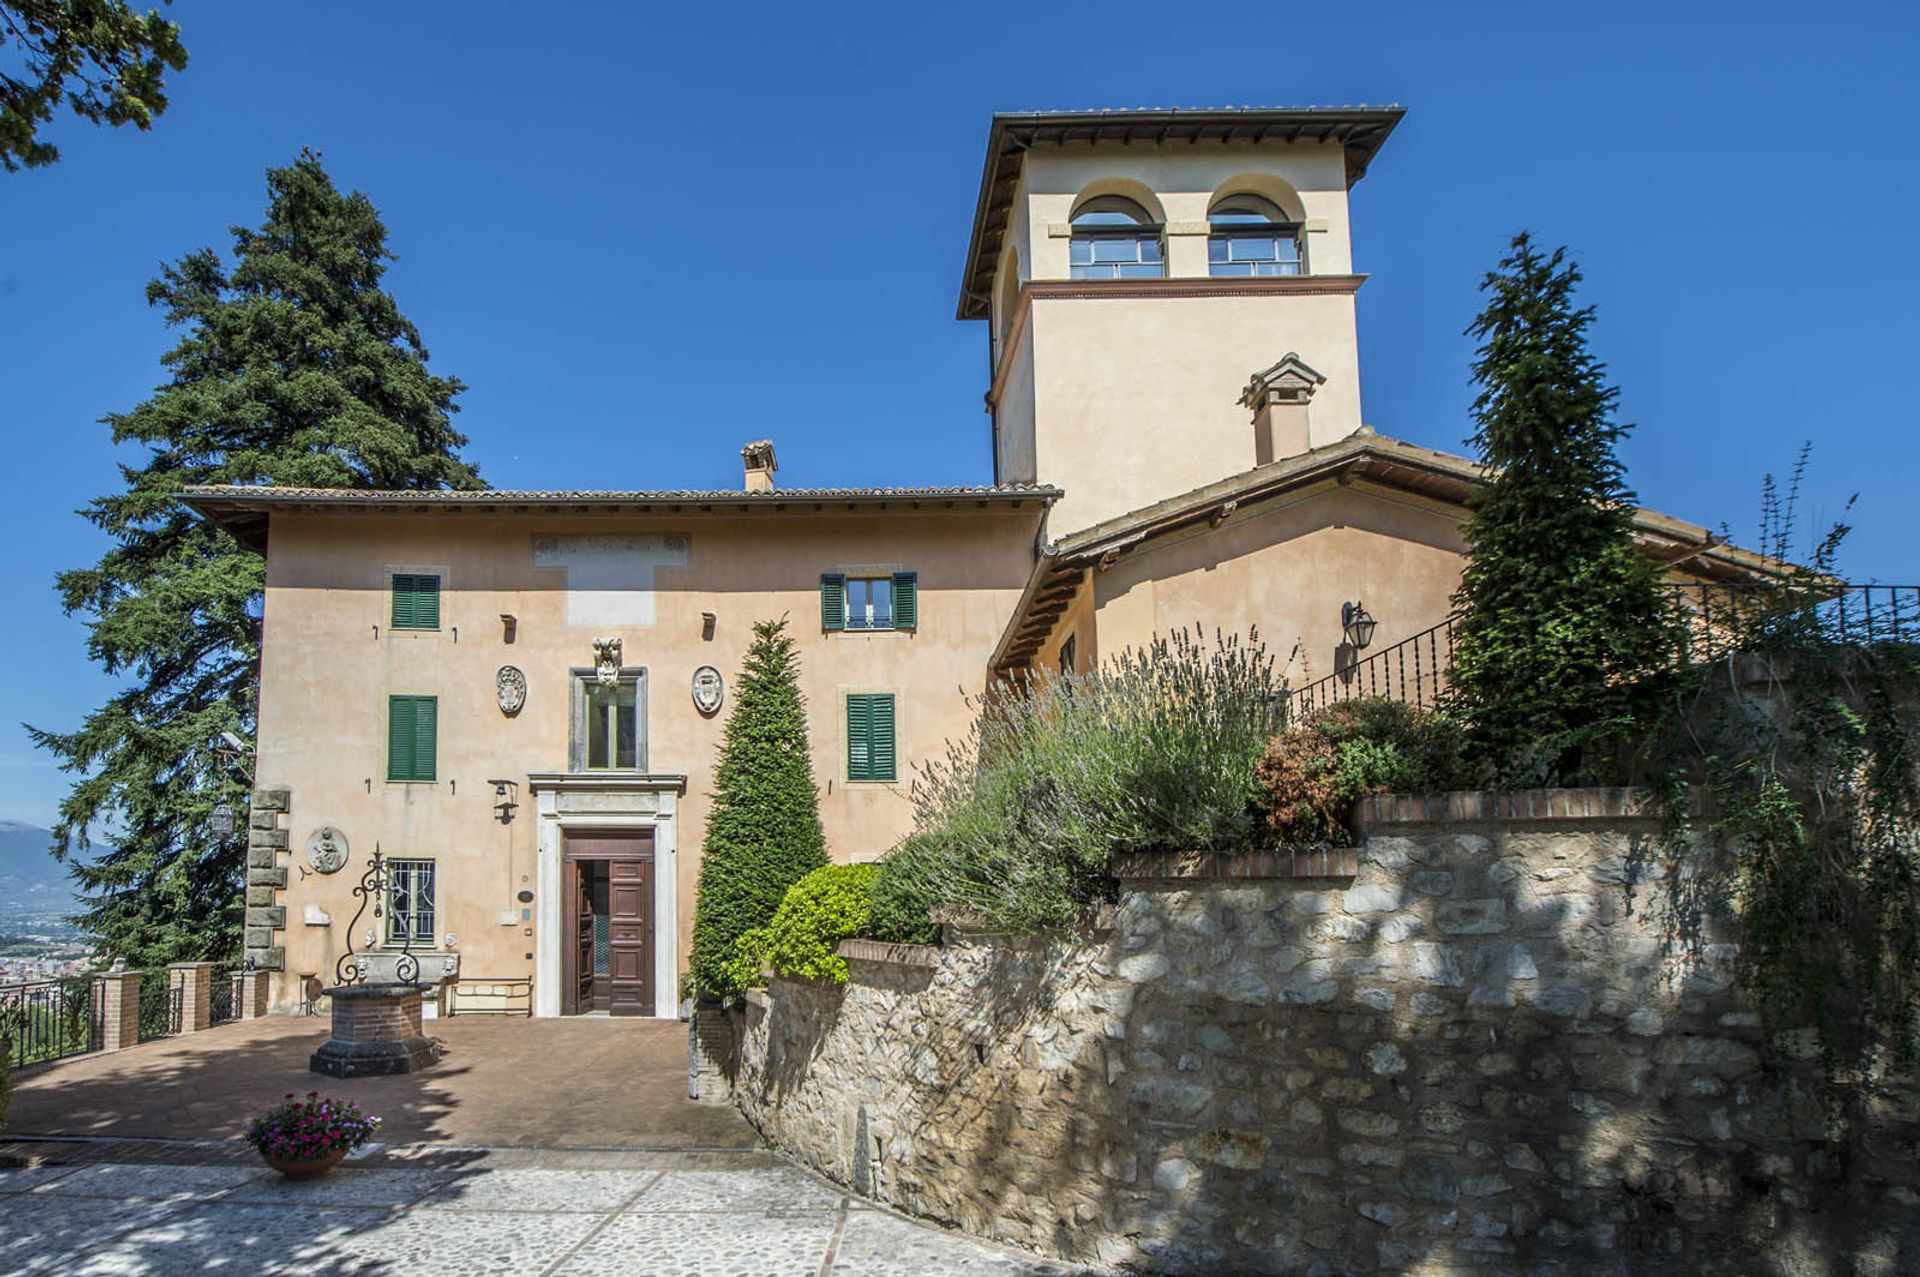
{"x": 1563, "y": 626}
{"x": 295, "y": 368}
{"x": 763, "y": 833}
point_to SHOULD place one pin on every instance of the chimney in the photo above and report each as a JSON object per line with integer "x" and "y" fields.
{"x": 760, "y": 465}
{"x": 1279, "y": 398}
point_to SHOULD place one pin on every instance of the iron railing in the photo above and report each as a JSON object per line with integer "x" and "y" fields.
{"x": 223, "y": 995}
{"x": 1718, "y": 618}
{"x": 1726, "y": 617}
{"x": 161, "y": 1002}
{"x": 1412, "y": 671}
{"x": 50, "y": 1019}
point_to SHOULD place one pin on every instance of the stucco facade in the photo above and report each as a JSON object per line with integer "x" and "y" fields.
{"x": 1180, "y": 449}
{"x": 332, "y": 659}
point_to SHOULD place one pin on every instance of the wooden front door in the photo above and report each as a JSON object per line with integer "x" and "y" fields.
{"x": 584, "y": 967}
{"x": 607, "y": 950}
{"x": 630, "y": 919}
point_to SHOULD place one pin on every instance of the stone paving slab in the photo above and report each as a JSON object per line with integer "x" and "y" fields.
{"x": 463, "y": 1211}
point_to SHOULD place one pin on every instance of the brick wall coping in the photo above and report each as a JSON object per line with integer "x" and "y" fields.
{"x": 1217, "y": 866}
{"x": 904, "y": 955}
{"x": 1597, "y": 803}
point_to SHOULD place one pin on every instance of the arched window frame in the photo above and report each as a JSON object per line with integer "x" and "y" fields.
{"x": 1115, "y": 238}
{"x": 1249, "y": 234}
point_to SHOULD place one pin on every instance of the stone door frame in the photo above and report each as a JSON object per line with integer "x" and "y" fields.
{"x": 586, "y": 802}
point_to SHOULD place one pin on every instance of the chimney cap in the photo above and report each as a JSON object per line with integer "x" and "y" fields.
{"x": 759, "y": 455}
{"x": 1291, "y": 374}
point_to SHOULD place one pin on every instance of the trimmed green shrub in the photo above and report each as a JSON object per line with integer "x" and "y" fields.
{"x": 903, "y": 894}
{"x": 763, "y": 834}
{"x": 819, "y": 911}
{"x": 1312, "y": 773}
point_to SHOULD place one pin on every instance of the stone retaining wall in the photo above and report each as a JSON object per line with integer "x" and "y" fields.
{"x": 1480, "y": 1053}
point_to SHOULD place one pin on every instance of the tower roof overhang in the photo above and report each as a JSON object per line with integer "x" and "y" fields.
{"x": 1360, "y": 130}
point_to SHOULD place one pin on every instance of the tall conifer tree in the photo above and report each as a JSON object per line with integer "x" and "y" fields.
{"x": 295, "y": 368}
{"x": 1563, "y": 625}
{"x": 763, "y": 834}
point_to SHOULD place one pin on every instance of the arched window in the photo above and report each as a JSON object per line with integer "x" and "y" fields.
{"x": 1249, "y": 235}
{"x": 1113, "y": 238}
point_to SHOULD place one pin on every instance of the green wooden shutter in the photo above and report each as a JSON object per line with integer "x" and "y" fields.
{"x": 833, "y": 601}
{"x": 906, "y": 600}
{"x": 880, "y": 736}
{"x": 426, "y": 716}
{"x": 859, "y": 737}
{"x": 399, "y": 738}
{"x": 411, "y": 742}
{"x": 426, "y": 602}
{"x": 416, "y": 601}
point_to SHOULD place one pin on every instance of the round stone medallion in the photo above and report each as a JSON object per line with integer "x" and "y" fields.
{"x": 327, "y": 850}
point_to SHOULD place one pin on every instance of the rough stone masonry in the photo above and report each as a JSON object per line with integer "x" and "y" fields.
{"x": 1492, "y": 1042}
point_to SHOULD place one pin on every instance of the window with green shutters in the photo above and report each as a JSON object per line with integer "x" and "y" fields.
{"x": 869, "y": 601}
{"x": 411, "y": 728}
{"x": 870, "y": 753}
{"x": 416, "y": 601}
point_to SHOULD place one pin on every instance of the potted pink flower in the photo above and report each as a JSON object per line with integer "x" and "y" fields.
{"x": 302, "y": 1138}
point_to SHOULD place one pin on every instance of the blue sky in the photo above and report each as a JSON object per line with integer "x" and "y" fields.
{"x": 645, "y": 239}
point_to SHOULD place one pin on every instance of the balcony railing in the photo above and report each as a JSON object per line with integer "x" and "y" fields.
{"x": 1719, "y": 619}
{"x": 1412, "y": 671}
{"x": 161, "y": 1003}
{"x": 223, "y": 996}
{"x": 50, "y": 1019}
{"x": 1725, "y": 618}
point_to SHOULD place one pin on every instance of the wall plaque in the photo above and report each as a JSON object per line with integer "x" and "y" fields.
{"x": 327, "y": 849}
{"x": 709, "y": 689}
{"x": 510, "y": 689}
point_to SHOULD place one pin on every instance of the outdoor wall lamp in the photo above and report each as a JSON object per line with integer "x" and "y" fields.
{"x": 505, "y": 791}
{"x": 1356, "y": 624}
{"x": 222, "y": 820}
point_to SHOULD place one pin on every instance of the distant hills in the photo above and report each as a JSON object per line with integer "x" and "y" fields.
{"x": 26, "y": 857}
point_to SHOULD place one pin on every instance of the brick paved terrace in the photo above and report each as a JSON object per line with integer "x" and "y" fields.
{"x": 582, "y": 1082}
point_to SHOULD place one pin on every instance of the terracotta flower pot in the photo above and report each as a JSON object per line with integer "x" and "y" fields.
{"x": 305, "y": 1167}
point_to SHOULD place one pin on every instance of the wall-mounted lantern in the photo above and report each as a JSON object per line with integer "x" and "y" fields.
{"x": 221, "y": 822}
{"x": 1356, "y": 625}
{"x": 507, "y": 792}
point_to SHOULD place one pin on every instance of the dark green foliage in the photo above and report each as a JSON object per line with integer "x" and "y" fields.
{"x": 1807, "y": 738}
{"x": 295, "y": 368}
{"x": 104, "y": 59}
{"x": 763, "y": 834}
{"x": 1154, "y": 751}
{"x": 803, "y": 938}
{"x": 1313, "y": 773}
{"x": 905, "y": 891}
{"x": 1564, "y": 629}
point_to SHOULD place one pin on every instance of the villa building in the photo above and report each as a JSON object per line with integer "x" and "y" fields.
{"x": 518, "y": 697}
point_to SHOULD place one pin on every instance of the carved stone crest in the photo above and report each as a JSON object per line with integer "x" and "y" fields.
{"x": 327, "y": 850}
{"x": 709, "y": 689}
{"x": 606, "y": 661}
{"x": 510, "y": 689}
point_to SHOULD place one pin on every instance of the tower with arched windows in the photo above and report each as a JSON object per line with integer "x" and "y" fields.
{"x": 1138, "y": 270}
